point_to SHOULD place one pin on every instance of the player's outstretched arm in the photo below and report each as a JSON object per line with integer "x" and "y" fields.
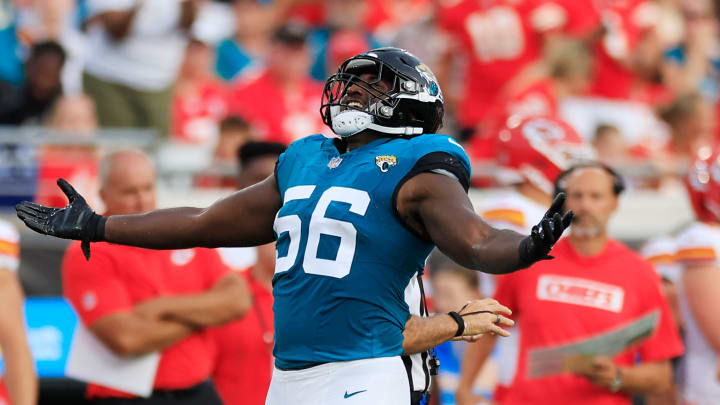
{"x": 437, "y": 208}
{"x": 244, "y": 218}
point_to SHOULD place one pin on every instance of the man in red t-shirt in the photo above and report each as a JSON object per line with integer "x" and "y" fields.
{"x": 138, "y": 301}
{"x": 595, "y": 285}
{"x": 281, "y": 101}
{"x": 244, "y": 364}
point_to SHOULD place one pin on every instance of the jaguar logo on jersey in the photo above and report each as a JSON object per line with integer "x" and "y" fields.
{"x": 385, "y": 162}
{"x": 334, "y": 162}
{"x": 580, "y": 291}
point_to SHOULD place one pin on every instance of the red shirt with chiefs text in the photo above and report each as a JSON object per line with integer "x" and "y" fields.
{"x": 572, "y": 298}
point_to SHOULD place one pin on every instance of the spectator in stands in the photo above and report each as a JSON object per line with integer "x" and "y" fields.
{"x": 235, "y": 131}
{"x": 246, "y": 49}
{"x": 20, "y": 381}
{"x": 10, "y": 64}
{"x": 697, "y": 252}
{"x": 135, "y": 51}
{"x": 627, "y": 58}
{"x": 610, "y": 147}
{"x": 74, "y": 114}
{"x": 593, "y": 285}
{"x": 525, "y": 29}
{"x": 29, "y": 104}
{"x": 74, "y": 120}
{"x": 199, "y": 101}
{"x": 281, "y": 101}
{"x": 568, "y": 73}
{"x": 138, "y": 301}
{"x": 57, "y": 20}
{"x": 244, "y": 359}
{"x": 341, "y": 16}
{"x": 694, "y": 66}
{"x": 343, "y": 45}
{"x": 692, "y": 125}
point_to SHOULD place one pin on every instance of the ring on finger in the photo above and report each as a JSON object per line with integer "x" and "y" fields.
{"x": 499, "y": 318}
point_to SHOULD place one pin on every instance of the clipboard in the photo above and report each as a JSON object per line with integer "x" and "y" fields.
{"x": 91, "y": 361}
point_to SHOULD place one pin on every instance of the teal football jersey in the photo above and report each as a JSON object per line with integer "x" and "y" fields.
{"x": 344, "y": 258}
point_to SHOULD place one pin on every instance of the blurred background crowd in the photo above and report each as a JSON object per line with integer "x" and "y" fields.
{"x": 192, "y": 81}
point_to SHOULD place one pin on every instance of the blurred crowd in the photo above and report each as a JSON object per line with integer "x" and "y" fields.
{"x": 630, "y": 83}
{"x": 636, "y": 78}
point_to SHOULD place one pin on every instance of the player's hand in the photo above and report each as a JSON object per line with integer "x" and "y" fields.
{"x": 76, "y": 221}
{"x": 544, "y": 235}
{"x": 485, "y": 316}
{"x": 602, "y": 372}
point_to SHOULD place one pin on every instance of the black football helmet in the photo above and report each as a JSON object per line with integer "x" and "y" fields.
{"x": 412, "y": 105}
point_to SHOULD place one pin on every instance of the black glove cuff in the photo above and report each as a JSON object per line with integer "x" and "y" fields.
{"x": 525, "y": 252}
{"x": 460, "y": 322}
{"x": 96, "y": 228}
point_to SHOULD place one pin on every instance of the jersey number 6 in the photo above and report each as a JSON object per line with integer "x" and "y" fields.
{"x": 321, "y": 225}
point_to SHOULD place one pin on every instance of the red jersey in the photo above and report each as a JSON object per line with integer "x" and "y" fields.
{"x": 625, "y": 22}
{"x": 4, "y": 397}
{"x": 499, "y": 38}
{"x": 275, "y": 114}
{"x": 573, "y": 297}
{"x": 197, "y": 112}
{"x": 243, "y": 367}
{"x": 118, "y": 277}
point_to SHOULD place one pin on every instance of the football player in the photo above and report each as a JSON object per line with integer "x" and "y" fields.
{"x": 530, "y": 156}
{"x": 697, "y": 252}
{"x": 20, "y": 385}
{"x": 354, "y": 219}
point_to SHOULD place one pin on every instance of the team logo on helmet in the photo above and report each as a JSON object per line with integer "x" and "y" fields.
{"x": 385, "y": 162}
{"x": 433, "y": 87}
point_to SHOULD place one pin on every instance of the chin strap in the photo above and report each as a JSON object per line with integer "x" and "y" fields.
{"x": 396, "y": 130}
{"x": 351, "y": 122}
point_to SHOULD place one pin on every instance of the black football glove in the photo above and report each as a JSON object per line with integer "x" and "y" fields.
{"x": 544, "y": 235}
{"x": 76, "y": 221}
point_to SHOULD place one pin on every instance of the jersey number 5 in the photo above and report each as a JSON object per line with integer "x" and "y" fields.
{"x": 321, "y": 225}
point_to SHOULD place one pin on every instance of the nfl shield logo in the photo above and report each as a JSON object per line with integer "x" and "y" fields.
{"x": 334, "y": 162}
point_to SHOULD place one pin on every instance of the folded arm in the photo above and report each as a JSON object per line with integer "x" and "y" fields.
{"x": 229, "y": 299}
{"x": 131, "y": 334}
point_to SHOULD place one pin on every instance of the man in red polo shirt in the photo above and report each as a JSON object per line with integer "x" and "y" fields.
{"x": 244, "y": 364}
{"x": 138, "y": 301}
{"x": 594, "y": 285}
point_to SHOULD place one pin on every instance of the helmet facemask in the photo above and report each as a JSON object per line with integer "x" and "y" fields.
{"x": 392, "y": 103}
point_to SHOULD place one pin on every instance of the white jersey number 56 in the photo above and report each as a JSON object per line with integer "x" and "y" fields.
{"x": 320, "y": 225}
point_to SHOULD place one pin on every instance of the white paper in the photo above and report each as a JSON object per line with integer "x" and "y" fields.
{"x": 91, "y": 361}
{"x": 555, "y": 360}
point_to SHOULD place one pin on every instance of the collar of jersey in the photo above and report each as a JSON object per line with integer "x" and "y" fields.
{"x": 329, "y": 145}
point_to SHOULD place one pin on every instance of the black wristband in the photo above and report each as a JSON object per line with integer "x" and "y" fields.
{"x": 100, "y": 229}
{"x": 95, "y": 229}
{"x": 460, "y": 322}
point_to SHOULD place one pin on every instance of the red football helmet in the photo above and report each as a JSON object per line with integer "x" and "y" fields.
{"x": 538, "y": 150}
{"x": 703, "y": 184}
